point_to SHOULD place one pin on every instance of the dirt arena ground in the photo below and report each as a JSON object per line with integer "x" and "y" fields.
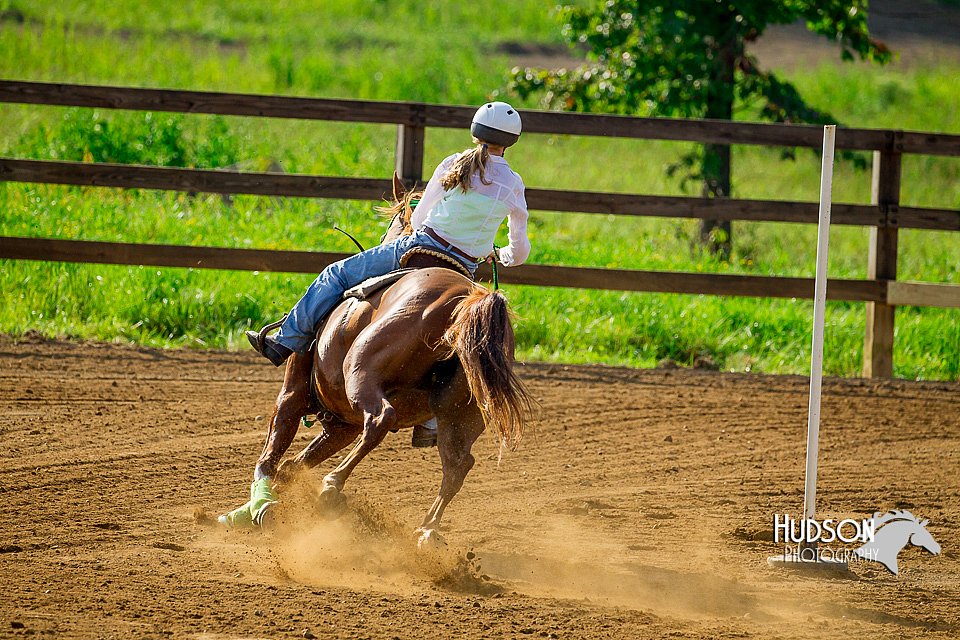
{"x": 641, "y": 508}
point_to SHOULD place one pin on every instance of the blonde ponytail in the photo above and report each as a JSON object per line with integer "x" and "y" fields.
{"x": 470, "y": 161}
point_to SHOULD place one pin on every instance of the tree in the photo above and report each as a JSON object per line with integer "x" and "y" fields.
{"x": 688, "y": 58}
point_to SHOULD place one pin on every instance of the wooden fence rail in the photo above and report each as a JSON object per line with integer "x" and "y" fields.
{"x": 883, "y": 215}
{"x": 308, "y": 186}
{"x": 448, "y": 116}
{"x": 311, "y": 262}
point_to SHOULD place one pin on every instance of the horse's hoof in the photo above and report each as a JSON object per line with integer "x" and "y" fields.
{"x": 430, "y": 540}
{"x": 250, "y": 515}
{"x": 239, "y": 518}
{"x": 266, "y": 517}
{"x": 331, "y": 501}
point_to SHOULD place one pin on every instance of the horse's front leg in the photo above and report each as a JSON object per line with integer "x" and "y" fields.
{"x": 293, "y": 402}
{"x": 334, "y": 437}
{"x": 459, "y": 424}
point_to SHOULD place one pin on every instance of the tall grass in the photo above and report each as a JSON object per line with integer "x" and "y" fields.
{"x": 399, "y": 50}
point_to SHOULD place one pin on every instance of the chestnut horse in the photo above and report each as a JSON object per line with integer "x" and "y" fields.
{"x": 432, "y": 344}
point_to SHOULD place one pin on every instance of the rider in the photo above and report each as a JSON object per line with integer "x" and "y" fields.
{"x": 459, "y": 213}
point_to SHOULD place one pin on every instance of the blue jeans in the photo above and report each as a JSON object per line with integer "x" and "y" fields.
{"x": 324, "y": 293}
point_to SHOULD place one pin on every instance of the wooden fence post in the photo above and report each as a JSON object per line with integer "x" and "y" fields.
{"x": 409, "y": 164}
{"x": 882, "y": 264}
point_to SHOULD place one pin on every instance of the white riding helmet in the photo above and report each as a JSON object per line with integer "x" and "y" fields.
{"x": 497, "y": 123}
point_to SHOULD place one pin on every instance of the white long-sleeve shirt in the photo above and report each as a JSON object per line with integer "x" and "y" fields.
{"x": 469, "y": 221}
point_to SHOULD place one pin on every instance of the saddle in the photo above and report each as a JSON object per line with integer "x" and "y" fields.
{"x": 416, "y": 258}
{"x": 421, "y": 258}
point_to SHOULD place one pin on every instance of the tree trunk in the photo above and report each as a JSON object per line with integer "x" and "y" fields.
{"x": 717, "y": 235}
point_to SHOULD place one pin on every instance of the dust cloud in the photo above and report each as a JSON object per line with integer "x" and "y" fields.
{"x": 362, "y": 546}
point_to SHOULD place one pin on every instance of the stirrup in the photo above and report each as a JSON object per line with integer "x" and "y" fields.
{"x": 262, "y": 334}
{"x": 424, "y": 435}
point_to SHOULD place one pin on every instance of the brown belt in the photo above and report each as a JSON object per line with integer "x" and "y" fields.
{"x": 449, "y": 247}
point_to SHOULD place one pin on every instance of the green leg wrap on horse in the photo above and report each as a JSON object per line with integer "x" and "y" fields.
{"x": 250, "y": 514}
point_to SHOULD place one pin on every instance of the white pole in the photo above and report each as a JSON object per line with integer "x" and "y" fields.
{"x": 819, "y": 305}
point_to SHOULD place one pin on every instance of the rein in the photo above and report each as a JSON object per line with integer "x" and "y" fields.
{"x": 355, "y": 241}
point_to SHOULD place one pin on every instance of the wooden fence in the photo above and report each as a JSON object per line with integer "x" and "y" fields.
{"x": 881, "y": 290}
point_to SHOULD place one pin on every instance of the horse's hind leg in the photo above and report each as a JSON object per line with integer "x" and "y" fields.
{"x": 293, "y": 402}
{"x": 460, "y": 423}
{"x": 379, "y": 417}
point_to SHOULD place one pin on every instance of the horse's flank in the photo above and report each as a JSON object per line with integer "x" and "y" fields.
{"x": 380, "y": 343}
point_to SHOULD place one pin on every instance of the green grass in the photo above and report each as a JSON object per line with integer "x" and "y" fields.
{"x": 400, "y": 50}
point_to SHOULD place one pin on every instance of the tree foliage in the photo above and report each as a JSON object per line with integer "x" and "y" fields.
{"x": 673, "y": 58}
{"x": 689, "y": 58}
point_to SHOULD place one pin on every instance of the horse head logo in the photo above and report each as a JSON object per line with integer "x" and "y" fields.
{"x": 893, "y": 531}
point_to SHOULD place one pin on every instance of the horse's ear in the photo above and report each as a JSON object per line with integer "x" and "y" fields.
{"x": 399, "y": 191}
{"x": 924, "y": 523}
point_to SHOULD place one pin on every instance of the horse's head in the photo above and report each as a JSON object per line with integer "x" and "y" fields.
{"x": 893, "y": 530}
{"x": 400, "y": 212}
{"x": 922, "y": 538}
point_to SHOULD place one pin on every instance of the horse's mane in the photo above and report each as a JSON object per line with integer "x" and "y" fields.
{"x": 894, "y": 514}
{"x": 402, "y": 207}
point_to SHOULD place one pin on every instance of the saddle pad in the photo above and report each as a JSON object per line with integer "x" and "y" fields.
{"x": 371, "y": 285}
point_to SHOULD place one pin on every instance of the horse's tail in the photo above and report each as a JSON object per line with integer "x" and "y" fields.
{"x": 482, "y": 337}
